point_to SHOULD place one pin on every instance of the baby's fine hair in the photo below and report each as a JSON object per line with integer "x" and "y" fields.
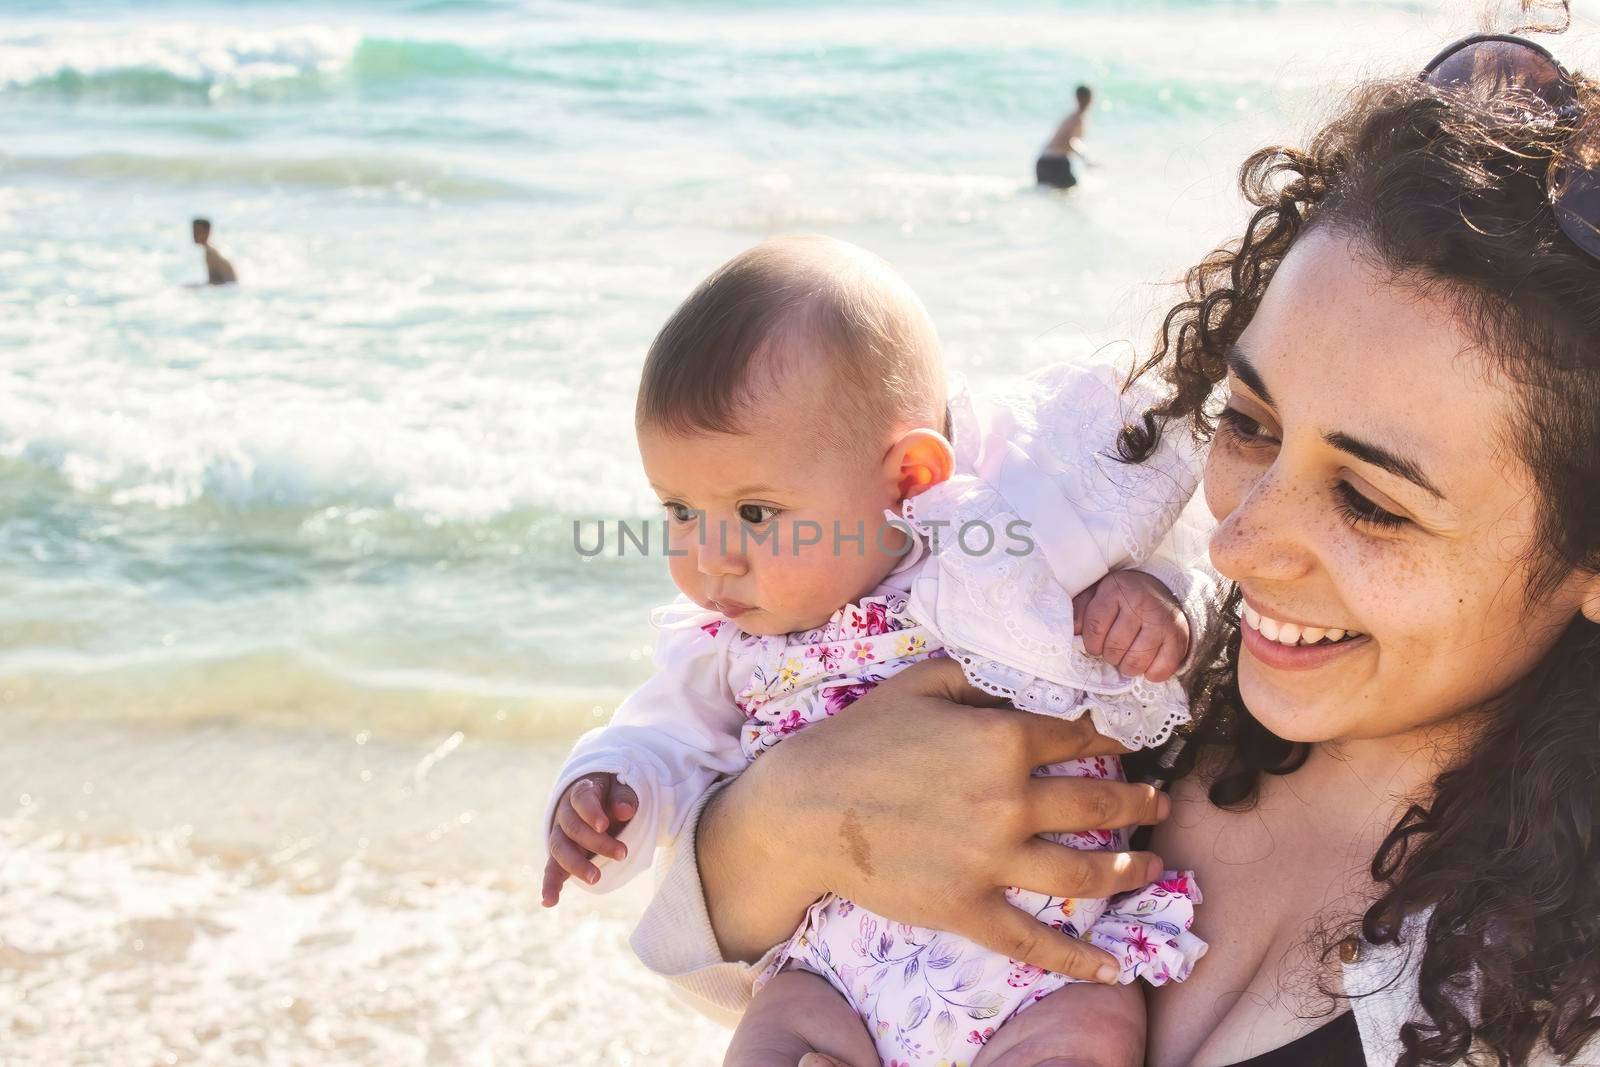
{"x": 787, "y": 300}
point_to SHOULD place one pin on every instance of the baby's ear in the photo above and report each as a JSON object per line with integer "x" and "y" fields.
{"x": 919, "y": 460}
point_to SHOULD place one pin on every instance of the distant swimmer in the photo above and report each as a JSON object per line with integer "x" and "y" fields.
{"x": 1054, "y": 167}
{"x": 218, "y": 270}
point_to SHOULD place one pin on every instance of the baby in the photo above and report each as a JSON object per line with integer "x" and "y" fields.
{"x": 832, "y": 519}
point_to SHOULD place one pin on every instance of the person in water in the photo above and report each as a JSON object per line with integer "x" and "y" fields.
{"x": 218, "y": 270}
{"x": 1054, "y": 167}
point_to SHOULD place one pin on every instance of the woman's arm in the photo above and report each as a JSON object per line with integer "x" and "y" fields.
{"x": 923, "y": 809}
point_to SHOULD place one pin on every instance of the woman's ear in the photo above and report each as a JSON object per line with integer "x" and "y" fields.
{"x": 918, "y": 460}
{"x": 1591, "y": 599}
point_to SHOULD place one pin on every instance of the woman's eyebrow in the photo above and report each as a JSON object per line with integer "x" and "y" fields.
{"x": 1240, "y": 366}
{"x": 1399, "y": 466}
{"x": 1246, "y": 372}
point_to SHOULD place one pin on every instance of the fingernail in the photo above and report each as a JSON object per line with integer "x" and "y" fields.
{"x": 592, "y": 877}
{"x": 1163, "y": 806}
{"x": 1106, "y": 975}
{"x": 1154, "y": 871}
{"x": 624, "y": 811}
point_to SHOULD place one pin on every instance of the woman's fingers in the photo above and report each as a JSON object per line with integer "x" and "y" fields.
{"x": 1058, "y": 871}
{"x": 943, "y": 678}
{"x": 1069, "y": 805}
{"x": 1051, "y": 740}
{"x": 1022, "y": 937}
{"x": 587, "y": 836}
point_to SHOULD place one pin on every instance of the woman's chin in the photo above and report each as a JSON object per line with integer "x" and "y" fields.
{"x": 1293, "y": 716}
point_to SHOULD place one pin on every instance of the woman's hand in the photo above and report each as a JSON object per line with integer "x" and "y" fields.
{"x": 923, "y": 809}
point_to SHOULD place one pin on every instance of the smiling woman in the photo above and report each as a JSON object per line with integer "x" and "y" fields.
{"x": 1404, "y": 474}
{"x": 1418, "y": 572}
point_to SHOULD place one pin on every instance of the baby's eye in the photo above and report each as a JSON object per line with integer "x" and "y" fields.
{"x": 680, "y": 512}
{"x": 756, "y": 514}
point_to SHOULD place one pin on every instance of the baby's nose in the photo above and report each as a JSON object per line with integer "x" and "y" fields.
{"x": 719, "y": 560}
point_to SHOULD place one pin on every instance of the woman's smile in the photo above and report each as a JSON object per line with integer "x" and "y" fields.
{"x": 1294, "y": 646}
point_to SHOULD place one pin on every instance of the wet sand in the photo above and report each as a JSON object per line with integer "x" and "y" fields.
{"x": 224, "y": 894}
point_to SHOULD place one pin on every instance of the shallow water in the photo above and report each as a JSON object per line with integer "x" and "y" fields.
{"x": 265, "y": 551}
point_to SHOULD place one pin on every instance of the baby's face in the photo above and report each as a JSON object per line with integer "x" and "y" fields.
{"x": 754, "y": 516}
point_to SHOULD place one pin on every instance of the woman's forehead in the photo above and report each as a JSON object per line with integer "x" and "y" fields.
{"x": 1344, "y": 347}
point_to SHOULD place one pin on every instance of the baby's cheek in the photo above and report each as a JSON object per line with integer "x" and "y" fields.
{"x": 811, "y": 586}
{"x": 684, "y": 574}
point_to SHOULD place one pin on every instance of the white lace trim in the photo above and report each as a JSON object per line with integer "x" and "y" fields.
{"x": 1045, "y": 453}
{"x": 1144, "y": 715}
{"x": 1078, "y": 411}
{"x": 1017, "y": 595}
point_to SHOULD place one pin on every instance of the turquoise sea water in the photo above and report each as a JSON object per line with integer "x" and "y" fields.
{"x": 292, "y": 631}
{"x": 350, "y": 483}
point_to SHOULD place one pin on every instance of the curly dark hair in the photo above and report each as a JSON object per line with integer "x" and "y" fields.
{"x": 1448, "y": 191}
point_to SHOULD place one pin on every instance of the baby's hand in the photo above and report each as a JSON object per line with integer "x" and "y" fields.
{"x": 589, "y": 816}
{"x": 1133, "y": 622}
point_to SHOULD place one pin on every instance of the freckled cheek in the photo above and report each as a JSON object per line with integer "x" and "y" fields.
{"x": 1406, "y": 601}
{"x": 1227, "y": 480}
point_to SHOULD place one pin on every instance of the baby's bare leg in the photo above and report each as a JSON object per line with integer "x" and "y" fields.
{"x": 796, "y": 1013}
{"x": 1080, "y": 1025}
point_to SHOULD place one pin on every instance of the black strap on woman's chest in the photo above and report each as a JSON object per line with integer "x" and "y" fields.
{"x": 1336, "y": 1043}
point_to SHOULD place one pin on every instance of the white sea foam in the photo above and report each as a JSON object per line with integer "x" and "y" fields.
{"x": 206, "y": 56}
{"x": 304, "y": 901}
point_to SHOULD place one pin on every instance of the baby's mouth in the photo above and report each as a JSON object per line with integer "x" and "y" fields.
{"x": 731, "y": 608}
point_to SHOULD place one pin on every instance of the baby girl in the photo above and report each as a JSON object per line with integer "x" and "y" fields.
{"x": 833, "y": 518}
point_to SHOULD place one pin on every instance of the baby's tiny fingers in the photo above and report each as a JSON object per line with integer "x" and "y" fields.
{"x": 588, "y": 837}
{"x": 1141, "y": 654}
{"x": 587, "y": 801}
{"x": 554, "y": 876}
{"x": 1168, "y": 660}
{"x": 1122, "y": 640}
{"x": 623, "y": 803}
{"x": 1098, "y": 619}
{"x": 1080, "y": 605}
{"x": 572, "y": 859}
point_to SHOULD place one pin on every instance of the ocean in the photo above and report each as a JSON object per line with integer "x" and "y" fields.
{"x": 292, "y": 628}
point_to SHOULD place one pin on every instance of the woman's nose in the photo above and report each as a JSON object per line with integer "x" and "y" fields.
{"x": 1263, "y": 537}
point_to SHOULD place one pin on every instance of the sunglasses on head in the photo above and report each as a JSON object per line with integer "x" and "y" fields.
{"x": 1498, "y": 64}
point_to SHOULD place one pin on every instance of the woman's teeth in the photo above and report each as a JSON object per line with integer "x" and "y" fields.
{"x": 1289, "y": 633}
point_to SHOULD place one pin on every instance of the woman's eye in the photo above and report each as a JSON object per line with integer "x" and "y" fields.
{"x": 756, "y": 514}
{"x": 680, "y": 512}
{"x": 1236, "y": 424}
{"x": 1357, "y": 509}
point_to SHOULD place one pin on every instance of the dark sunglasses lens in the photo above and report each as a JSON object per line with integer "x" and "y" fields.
{"x": 1499, "y": 67}
{"x": 1575, "y": 198}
